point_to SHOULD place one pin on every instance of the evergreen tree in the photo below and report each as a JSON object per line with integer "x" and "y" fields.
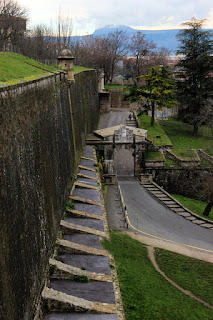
{"x": 195, "y": 87}
{"x": 158, "y": 89}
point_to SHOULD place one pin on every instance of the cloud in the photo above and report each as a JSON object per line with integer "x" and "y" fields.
{"x": 93, "y": 14}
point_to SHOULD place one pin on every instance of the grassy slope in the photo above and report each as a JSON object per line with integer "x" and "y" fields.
{"x": 191, "y": 274}
{"x": 181, "y": 136}
{"x": 16, "y": 68}
{"x": 146, "y": 295}
{"x": 195, "y": 206}
{"x": 145, "y": 122}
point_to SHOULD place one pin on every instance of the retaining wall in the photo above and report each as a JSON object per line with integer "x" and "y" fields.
{"x": 184, "y": 181}
{"x": 39, "y": 122}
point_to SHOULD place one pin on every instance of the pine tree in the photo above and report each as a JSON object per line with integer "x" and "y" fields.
{"x": 158, "y": 89}
{"x": 195, "y": 88}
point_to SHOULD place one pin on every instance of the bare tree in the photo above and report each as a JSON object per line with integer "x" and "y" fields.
{"x": 104, "y": 52}
{"x": 141, "y": 48}
{"x": 39, "y": 44}
{"x": 64, "y": 30}
{"x": 13, "y": 19}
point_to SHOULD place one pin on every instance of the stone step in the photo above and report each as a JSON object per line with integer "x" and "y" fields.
{"x": 62, "y": 302}
{"x": 87, "y": 186}
{"x": 86, "y": 176}
{"x": 80, "y": 316}
{"x": 170, "y": 202}
{"x": 71, "y": 228}
{"x": 184, "y": 214}
{"x": 197, "y": 221}
{"x": 65, "y": 271}
{"x": 85, "y": 158}
{"x": 79, "y": 199}
{"x": 190, "y": 218}
{"x": 207, "y": 225}
{"x": 86, "y": 168}
{"x": 75, "y": 248}
{"x": 179, "y": 209}
{"x": 83, "y": 214}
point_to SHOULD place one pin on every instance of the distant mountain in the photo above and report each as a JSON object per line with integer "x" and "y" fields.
{"x": 162, "y": 38}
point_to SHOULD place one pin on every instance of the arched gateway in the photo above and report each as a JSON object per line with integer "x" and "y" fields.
{"x": 109, "y": 141}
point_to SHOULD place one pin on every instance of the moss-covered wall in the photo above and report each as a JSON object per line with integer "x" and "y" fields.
{"x": 37, "y": 167}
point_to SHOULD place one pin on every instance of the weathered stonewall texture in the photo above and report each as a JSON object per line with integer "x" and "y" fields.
{"x": 38, "y": 161}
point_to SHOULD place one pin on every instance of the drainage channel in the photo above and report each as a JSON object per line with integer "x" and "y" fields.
{"x": 81, "y": 284}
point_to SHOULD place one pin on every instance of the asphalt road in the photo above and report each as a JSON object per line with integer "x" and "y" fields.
{"x": 113, "y": 118}
{"x": 150, "y": 216}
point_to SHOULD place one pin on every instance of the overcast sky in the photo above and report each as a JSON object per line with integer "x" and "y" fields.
{"x": 89, "y": 15}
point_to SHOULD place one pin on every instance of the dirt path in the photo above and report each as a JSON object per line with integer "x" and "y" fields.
{"x": 172, "y": 246}
{"x": 151, "y": 254}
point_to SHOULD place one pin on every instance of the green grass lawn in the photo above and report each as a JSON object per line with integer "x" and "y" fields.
{"x": 78, "y": 69}
{"x": 193, "y": 205}
{"x": 191, "y": 274}
{"x": 186, "y": 154}
{"x": 29, "y": 61}
{"x": 156, "y": 134}
{"x": 181, "y": 137}
{"x": 114, "y": 86}
{"x": 155, "y": 156}
{"x": 11, "y": 70}
{"x": 145, "y": 293}
{"x": 16, "y": 68}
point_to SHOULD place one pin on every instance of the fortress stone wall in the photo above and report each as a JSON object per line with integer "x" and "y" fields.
{"x": 43, "y": 125}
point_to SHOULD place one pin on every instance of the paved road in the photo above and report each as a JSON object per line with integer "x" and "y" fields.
{"x": 152, "y": 217}
{"x": 113, "y": 118}
{"x": 146, "y": 213}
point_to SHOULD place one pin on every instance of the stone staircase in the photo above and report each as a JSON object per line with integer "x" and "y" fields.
{"x": 81, "y": 284}
{"x": 175, "y": 205}
{"x": 132, "y": 122}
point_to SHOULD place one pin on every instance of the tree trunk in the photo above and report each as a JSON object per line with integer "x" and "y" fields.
{"x": 195, "y": 131}
{"x": 153, "y": 114}
{"x": 208, "y": 208}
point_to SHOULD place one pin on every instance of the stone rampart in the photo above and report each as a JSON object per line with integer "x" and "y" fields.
{"x": 43, "y": 128}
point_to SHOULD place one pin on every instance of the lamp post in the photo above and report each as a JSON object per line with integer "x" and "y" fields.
{"x": 66, "y": 63}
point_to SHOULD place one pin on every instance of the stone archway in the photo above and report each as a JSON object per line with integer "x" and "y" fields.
{"x": 124, "y": 162}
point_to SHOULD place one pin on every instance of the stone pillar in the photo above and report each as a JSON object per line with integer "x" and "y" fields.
{"x": 101, "y": 80}
{"x": 109, "y": 167}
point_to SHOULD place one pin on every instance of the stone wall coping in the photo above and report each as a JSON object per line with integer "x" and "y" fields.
{"x": 59, "y": 301}
{"x": 27, "y": 83}
{"x": 71, "y": 228}
{"x": 65, "y": 271}
{"x": 71, "y": 247}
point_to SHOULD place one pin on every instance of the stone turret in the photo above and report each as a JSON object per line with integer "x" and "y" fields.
{"x": 66, "y": 63}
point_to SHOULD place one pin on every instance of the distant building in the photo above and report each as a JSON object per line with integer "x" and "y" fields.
{"x": 11, "y": 32}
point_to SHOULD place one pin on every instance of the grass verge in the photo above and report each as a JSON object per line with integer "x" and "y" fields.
{"x": 78, "y": 69}
{"x": 145, "y": 293}
{"x": 16, "y": 68}
{"x": 181, "y": 137}
{"x": 193, "y": 205}
{"x": 155, "y": 156}
{"x": 156, "y": 133}
{"x": 191, "y": 274}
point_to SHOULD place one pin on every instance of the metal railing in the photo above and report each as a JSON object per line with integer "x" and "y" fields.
{"x": 122, "y": 203}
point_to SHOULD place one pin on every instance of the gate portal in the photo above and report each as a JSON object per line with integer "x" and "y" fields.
{"x": 110, "y": 141}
